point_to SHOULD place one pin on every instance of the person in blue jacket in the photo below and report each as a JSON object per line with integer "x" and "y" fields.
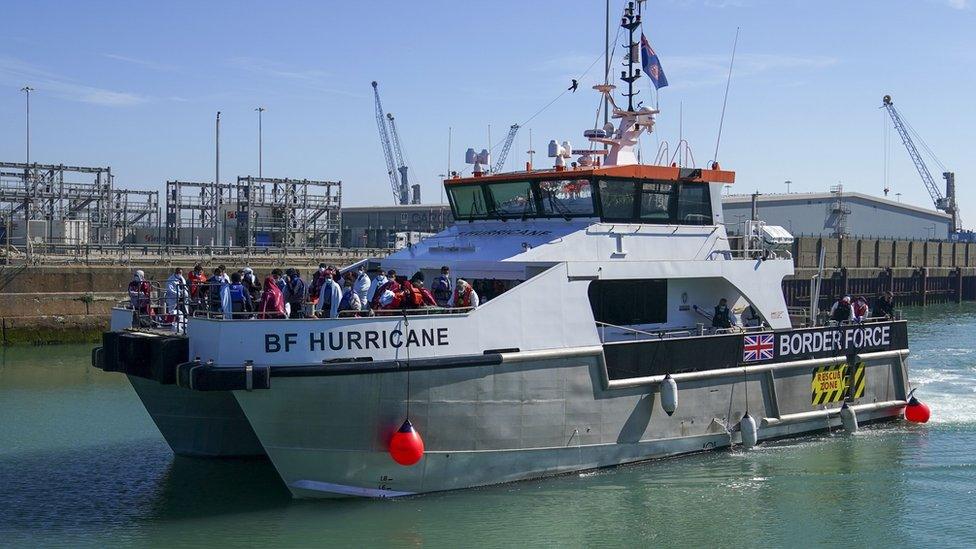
{"x": 240, "y": 298}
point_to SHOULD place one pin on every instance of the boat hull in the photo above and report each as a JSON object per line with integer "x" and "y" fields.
{"x": 327, "y": 435}
{"x": 198, "y": 424}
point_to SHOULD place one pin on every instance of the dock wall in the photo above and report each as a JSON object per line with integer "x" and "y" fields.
{"x": 71, "y": 302}
{"x": 919, "y": 272}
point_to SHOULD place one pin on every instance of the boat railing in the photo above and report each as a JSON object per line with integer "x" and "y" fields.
{"x": 698, "y": 330}
{"x": 309, "y": 314}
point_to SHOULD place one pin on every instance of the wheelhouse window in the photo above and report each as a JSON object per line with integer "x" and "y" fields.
{"x": 566, "y": 198}
{"x": 694, "y": 204}
{"x": 617, "y": 199}
{"x": 622, "y": 200}
{"x": 468, "y": 202}
{"x": 629, "y": 302}
{"x": 512, "y": 199}
{"x": 656, "y": 201}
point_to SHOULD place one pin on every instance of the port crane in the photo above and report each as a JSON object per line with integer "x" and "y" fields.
{"x": 395, "y": 166}
{"x": 946, "y": 203}
{"x": 507, "y": 146}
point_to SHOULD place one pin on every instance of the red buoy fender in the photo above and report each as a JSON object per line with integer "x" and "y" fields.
{"x": 406, "y": 447}
{"x": 916, "y": 411}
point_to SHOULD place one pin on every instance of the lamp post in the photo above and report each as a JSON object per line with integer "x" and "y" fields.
{"x": 260, "y": 111}
{"x": 27, "y": 90}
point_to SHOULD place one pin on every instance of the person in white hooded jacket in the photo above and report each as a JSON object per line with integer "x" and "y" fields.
{"x": 177, "y": 293}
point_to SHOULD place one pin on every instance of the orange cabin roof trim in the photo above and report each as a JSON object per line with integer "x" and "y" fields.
{"x": 637, "y": 171}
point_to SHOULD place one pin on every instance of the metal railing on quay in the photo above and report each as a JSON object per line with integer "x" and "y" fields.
{"x": 123, "y": 254}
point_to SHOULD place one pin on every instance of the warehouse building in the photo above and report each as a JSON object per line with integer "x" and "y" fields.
{"x": 838, "y": 213}
{"x": 384, "y": 226}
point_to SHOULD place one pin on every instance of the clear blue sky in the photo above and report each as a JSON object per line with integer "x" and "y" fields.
{"x": 135, "y": 86}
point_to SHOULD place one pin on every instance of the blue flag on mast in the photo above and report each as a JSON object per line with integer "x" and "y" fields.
{"x": 651, "y": 64}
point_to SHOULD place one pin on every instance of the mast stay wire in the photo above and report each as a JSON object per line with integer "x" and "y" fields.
{"x": 564, "y": 92}
{"x": 725, "y": 101}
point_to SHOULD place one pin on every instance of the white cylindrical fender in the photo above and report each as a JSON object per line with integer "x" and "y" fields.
{"x": 750, "y": 433}
{"x": 669, "y": 395}
{"x": 848, "y": 418}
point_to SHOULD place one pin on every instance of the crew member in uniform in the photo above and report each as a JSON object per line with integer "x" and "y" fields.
{"x": 722, "y": 317}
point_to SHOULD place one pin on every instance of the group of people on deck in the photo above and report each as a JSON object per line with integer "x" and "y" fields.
{"x": 284, "y": 294}
{"x": 846, "y": 309}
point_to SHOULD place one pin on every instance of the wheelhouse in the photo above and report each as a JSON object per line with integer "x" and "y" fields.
{"x": 620, "y": 194}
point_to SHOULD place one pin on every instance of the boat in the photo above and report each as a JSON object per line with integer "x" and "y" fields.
{"x": 594, "y": 344}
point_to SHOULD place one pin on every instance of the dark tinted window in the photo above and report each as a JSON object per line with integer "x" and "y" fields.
{"x": 655, "y": 205}
{"x": 617, "y": 199}
{"x": 627, "y": 302}
{"x": 694, "y": 204}
{"x": 566, "y": 197}
{"x": 512, "y": 199}
{"x": 468, "y": 202}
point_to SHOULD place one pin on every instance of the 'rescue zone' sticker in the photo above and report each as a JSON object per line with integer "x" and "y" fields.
{"x": 830, "y": 383}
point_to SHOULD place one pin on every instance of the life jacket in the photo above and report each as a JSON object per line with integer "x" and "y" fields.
{"x": 721, "y": 318}
{"x": 441, "y": 289}
{"x": 842, "y": 312}
{"x": 213, "y": 294}
{"x": 462, "y": 298}
{"x": 297, "y": 289}
{"x": 196, "y": 281}
{"x": 414, "y": 297}
{"x": 860, "y": 308}
{"x": 391, "y": 285}
{"x": 139, "y": 291}
{"x": 238, "y": 293}
{"x": 345, "y": 304}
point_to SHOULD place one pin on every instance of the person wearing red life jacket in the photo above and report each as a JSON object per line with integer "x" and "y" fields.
{"x": 464, "y": 296}
{"x": 391, "y": 285}
{"x": 861, "y": 309}
{"x": 318, "y": 277}
{"x": 140, "y": 293}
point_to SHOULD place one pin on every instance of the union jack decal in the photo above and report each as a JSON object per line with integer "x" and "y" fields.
{"x": 757, "y": 347}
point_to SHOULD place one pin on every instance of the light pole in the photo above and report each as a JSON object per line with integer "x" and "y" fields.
{"x": 898, "y": 197}
{"x": 788, "y": 183}
{"x": 260, "y": 110}
{"x": 27, "y": 90}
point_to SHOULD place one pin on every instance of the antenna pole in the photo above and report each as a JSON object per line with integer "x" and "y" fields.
{"x": 630, "y": 21}
{"x": 489, "y": 142}
{"x": 606, "y": 71}
{"x": 217, "y": 193}
{"x": 450, "y": 135}
{"x": 725, "y": 101}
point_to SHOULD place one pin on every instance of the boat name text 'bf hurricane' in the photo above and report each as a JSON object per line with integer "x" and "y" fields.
{"x": 364, "y": 340}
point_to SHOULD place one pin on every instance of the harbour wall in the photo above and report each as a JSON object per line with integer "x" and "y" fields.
{"x": 70, "y": 302}
{"x": 919, "y": 272}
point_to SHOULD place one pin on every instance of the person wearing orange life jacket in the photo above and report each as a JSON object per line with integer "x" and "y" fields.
{"x": 464, "y": 296}
{"x": 416, "y": 296}
{"x": 197, "y": 280}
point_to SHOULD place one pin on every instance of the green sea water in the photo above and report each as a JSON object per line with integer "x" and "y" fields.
{"x": 82, "y": 465}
